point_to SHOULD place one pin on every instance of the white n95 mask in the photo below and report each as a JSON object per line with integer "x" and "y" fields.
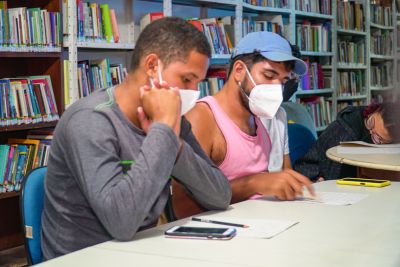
{"x": 188, "y": 96}
{"x": 264, "y": 99}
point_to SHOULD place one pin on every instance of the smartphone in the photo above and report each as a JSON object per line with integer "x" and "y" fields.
{"x": 363, "y": 182}
{"x": 225, "y": 233}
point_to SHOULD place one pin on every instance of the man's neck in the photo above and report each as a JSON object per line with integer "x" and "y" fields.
{"x": 127, "y": 95}
{"x": 229, "y": 100}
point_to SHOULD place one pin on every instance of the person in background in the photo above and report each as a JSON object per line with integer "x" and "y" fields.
{"x": 376, "y": 123}
{"x": 113, "y": 152}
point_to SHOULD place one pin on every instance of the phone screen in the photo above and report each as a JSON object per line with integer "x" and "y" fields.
{"x": 201, "y": 230}
{"x": 363, "y": 180}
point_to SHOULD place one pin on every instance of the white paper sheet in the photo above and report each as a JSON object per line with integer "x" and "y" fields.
{"x": 257, "y": 228}
{"x": 333, "y": 198}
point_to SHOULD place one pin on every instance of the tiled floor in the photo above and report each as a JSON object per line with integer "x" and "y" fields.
{"x": 14, "y": 257}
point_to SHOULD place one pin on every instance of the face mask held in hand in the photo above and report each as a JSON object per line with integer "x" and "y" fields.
{"x": 188, "y": 97}
{"x": 264, "y": 99}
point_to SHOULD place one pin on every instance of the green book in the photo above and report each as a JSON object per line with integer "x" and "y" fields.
{"x": 35, "y": 21}
{"x": 107, "y": 28}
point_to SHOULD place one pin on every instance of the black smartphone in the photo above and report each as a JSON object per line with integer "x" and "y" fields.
{"x": 224, "y": 233}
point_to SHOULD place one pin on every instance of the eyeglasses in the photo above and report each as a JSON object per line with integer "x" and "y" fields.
{"x": 370, "y": 125}
{"x": 294, "y": 76}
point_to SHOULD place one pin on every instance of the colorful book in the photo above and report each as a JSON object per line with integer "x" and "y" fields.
{"x": 114, "y": 25}
{"x": 107, "y": 28}
{"x": 148, "y": 18}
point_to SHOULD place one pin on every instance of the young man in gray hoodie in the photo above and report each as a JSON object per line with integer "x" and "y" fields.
{"x": 113, "y": 152}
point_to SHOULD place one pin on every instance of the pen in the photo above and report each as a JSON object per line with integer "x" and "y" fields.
{"x": 219, "y": 222}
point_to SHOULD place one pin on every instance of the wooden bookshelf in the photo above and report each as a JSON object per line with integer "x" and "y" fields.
{"x": 18, "y": 62}
{"x": 24, "y": 127}
{"x": 11, "y": 226}
{"x": 30, "y": 54}
{"x": 9, "y": 195}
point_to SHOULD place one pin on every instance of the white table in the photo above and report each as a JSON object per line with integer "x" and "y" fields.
{"x": 364, "y": 234}
{"x": 388, "y": 162}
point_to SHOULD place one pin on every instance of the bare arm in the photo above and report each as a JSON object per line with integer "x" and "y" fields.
{"x": 286, "y": 162}
{"x": 284, "y": 185}
{"x": 203, "y": 126}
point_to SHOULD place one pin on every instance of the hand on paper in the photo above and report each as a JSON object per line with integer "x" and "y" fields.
{"x": 285, "y": 185}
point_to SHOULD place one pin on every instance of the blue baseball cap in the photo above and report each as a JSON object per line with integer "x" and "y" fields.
{"x": 272, "y": 46}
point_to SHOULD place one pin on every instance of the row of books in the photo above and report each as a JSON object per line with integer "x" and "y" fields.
{"x": 351, "y": 83}
{"x": 382, "y": 14}
{"x": 381, "y": 74}
{"x": 219, "y": 33}
{"x": 26, "y": 27}
{"x": 96, "y": 22}
{"x": 381, "y": 42}
{"x": 350, "y": 15}
{"x": 266, "y": 23}
{"x": 314, "y": 37}
{"x": 27, "y": 100}
{"x": 148, "y": 18}
{"x": 356, "y": 103}
{"x": 98, "y": 74}
{"x": 319, "y": 108}
{"x": 269, "y": 3}
{"x": 314, "y": 79}
{"x": 315, "y": 6}
{"x": 351, "y": 52}
{"x": 210, "y": 86}
{"x": 18, "y": 157}
{"x": 213, "y": 83}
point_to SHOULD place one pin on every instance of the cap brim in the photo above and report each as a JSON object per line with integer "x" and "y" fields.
{"x": 300, "y": 67}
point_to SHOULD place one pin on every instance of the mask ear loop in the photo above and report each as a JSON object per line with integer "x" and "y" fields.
{"x": 251, "y": 78}
{"x": 243, "y": 91}
{"x": 160, "y": 79}
{"x": 151, "y": 82}
{"x": 248, "y": 73}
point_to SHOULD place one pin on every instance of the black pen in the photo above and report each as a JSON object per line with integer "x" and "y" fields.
{"x": 219, "y": 222}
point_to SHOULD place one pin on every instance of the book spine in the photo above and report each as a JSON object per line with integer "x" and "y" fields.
{"x": 107, "y": 28}
{"x": 114, "y": 25}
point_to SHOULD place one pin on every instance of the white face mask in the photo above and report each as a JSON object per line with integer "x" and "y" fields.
{"x": 264, "y": 99}
{"x": 188, "y": 96}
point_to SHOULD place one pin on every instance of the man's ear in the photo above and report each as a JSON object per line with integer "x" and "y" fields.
{"x": 239, "y": 71}
{"x": 151, "y": 65}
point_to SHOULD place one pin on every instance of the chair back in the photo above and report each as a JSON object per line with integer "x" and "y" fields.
{"x": 32, "y": 197}
{"x": 298, "y": 114}
{"x": 300, "y": 141}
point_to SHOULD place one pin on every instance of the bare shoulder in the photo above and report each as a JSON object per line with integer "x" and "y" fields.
{"x": 201, "y": 116}
{"x": 203, "y": 125}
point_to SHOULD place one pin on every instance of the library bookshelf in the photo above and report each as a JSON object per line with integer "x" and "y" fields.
{"x": 61, "y": 63}
{"x": 19, "y": 60}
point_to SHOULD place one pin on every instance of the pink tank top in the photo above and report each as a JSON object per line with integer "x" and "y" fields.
{"x": 245, "y": 154}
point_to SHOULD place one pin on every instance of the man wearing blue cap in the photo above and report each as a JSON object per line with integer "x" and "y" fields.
{"x": 228, "y": 124}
